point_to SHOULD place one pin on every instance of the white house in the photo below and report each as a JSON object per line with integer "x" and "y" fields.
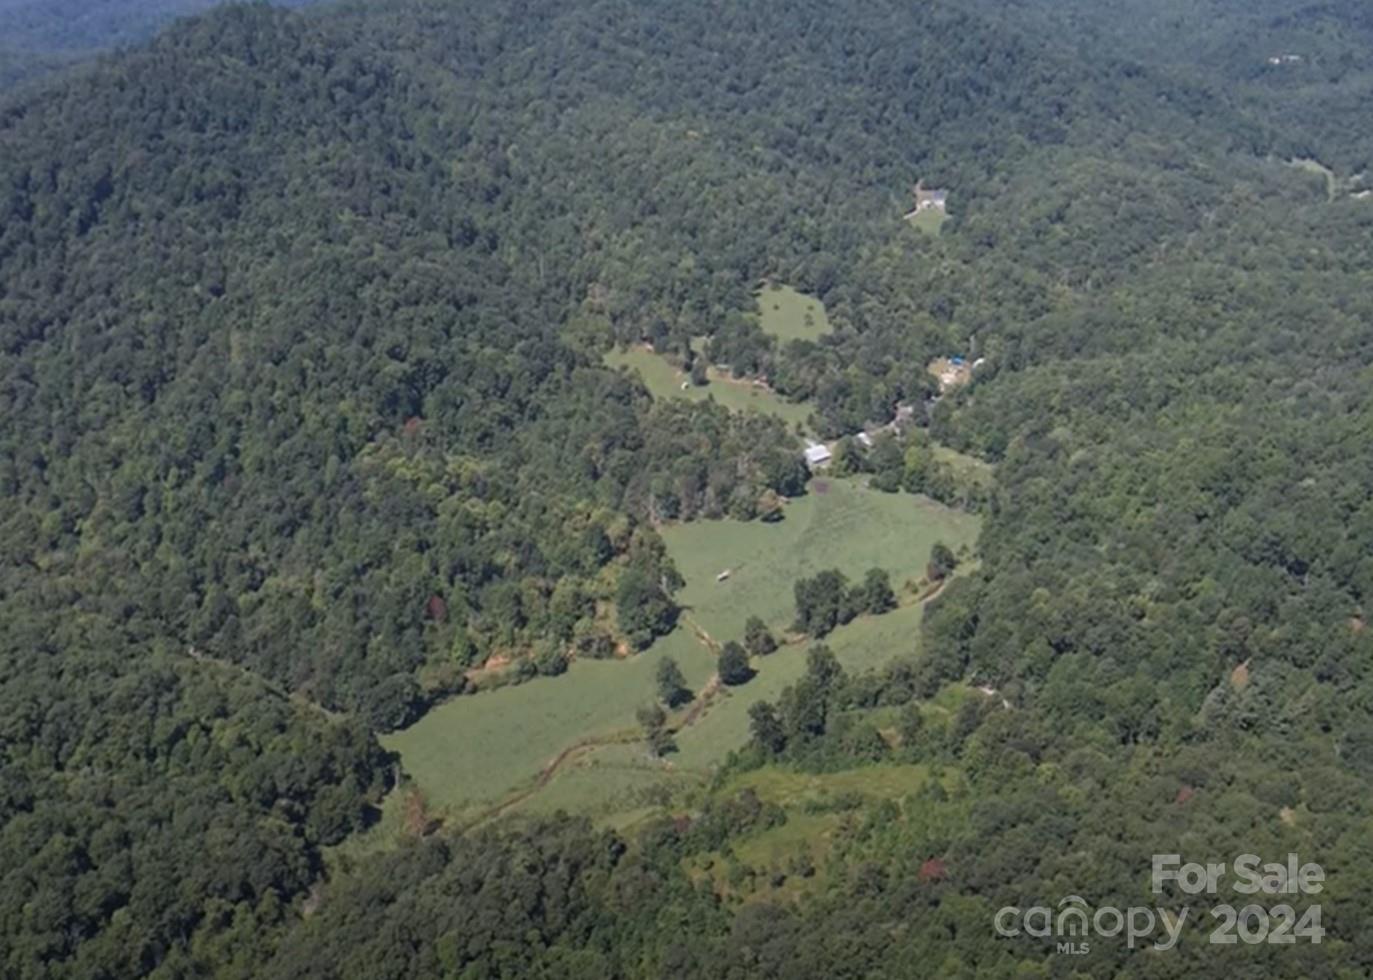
{"x": 817, "y": 455}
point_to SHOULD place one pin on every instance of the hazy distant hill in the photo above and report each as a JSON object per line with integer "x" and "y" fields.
{"x": 37, "y": 36}
{"x": 1304, "y": 67}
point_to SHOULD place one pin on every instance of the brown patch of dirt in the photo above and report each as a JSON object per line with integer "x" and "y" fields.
{"x": 417, "y": 820}
{"x": 1288, "y": 816}
{"x": 701, "y": 635}
{"x": 1239, "y": 677}
{"x": 1357, "y": 624}
{"x": 701, "y": 702}
{"x": 950, "y": 375}
{"x": 1184, "y": 794}
{"x": 494, "y": 664}
{"x": 821, "y": 487}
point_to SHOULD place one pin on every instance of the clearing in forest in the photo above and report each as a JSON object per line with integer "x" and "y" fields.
{"x": 492, "y": 746}
{"x": 865, "y": 644}
{"x": 483, "y": 746}
{"x": 849, "y": 527}
{"x": 665, "y": 380}
{"x": 783, "y": 862}
{"x": 966, "y": 469}
{"x": 790, "y": 315}
{"x": 929, "y": 221}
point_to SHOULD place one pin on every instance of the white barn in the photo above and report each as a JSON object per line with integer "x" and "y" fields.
{"x": 817, "y": 455}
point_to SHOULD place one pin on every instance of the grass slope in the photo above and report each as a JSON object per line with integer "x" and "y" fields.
{"x": 969, "y": 469}
{"x": 483, "y": 748}
{"x": 865, "y": 643}
{"x": 479, "y": 748}
{"x": 663, "y": 380}
{"x": 791, "y": 315}
{"x": 929, "y": 222}
{"x": 846, "y": 527}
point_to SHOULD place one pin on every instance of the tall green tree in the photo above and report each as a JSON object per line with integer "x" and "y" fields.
{"x": 733, "y": 665}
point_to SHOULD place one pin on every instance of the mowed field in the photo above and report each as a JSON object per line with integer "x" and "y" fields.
{"x": 791, "y": 315}
{"x": 663, "y": 380}
{"x": 485, "y": 746}
{"x": 930, "y": 221}
{"x": 838, "y": 524}
{"x": 866, "y": 643}
{"x": 476, "y": 750}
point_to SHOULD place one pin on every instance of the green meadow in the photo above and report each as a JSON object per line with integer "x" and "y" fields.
{"x": 865, "y": 644}
{"x": 782, "y": 312}
{"x": 611, "y": 781}
{"x": 965, "y": 468}
{"x": 817, "y": 808}
{"x": 791, "y": 315}
{"x": 492, "y": 746}
{"x": 789, "y": 788}
{"x": 484, "y": 746}
{"x": 663, "y": 380}
{"x": 929, "y": 222}
{"x": 837, "y": 524}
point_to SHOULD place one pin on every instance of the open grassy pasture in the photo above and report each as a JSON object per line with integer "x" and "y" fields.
{"x": 929, "y": 222}
{"x": 866, "y": 643}
{"x": 790, "y": 315}
{"x": 611, "y": 782}
{"x": 479, "y": 748}
{"x": 665, "y": 381}
{"x": 486, "y": 747}
{"x": 838, "y": 524}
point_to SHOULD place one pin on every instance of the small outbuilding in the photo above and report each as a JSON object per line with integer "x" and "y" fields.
{"x": 818, "y": 455}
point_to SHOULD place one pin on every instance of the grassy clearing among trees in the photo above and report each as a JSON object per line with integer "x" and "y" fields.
{"x": 482, "y": 748}
{"x": 864, "y": 644}
{"x": 664, "y": 380}
{"x": 929, "y": 222}
{"x": 610, "y": 782}
{"x": 847, "y": 527}
{"x": 817, "y": 806}
{"x": 791, "y": 315}
{"x": 478, "y": 749}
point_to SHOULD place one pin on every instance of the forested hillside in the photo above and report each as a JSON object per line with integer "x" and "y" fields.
{"x": 1305, "y": 67}
{"x": 302, "y": 324}
{"x": 41, "y": 36}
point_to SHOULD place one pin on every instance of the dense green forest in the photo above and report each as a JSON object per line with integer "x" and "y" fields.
{"x": 1301, "y": 67}
{"x": 302, "y": 319}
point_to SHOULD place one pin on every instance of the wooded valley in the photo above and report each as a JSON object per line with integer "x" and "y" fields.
{"x": 308, "y": 330}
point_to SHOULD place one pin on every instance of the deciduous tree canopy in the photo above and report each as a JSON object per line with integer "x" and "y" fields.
{"x": 302, "y": 319}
